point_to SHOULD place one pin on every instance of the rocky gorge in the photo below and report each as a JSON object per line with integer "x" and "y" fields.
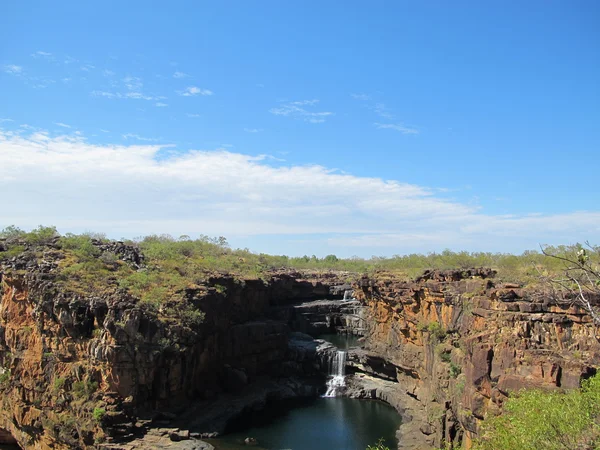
{"x": 90, "y": 369}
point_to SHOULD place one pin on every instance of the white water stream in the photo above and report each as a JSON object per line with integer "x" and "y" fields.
{"x": 337, "y": 374}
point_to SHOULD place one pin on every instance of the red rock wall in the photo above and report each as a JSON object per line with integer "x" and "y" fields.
{"x": 461, "y": 344}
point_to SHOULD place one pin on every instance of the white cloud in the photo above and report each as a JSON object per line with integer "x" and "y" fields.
{"x": 70, "y": 60}
{"x": 131, "y": 189}
{"x": 133, "y": 83}
{"x": 60, "y": 124}
{"x": 104, "y": 131}
{"x": 193, "y": 116}
{"x": 295, "y": 110}
{"x": 180, "y": 75}
{"x": 138, "y": 137}
{"x": 66, "y": 80}
{"x": 41, "y": 54}
{"x": 4, "y": 119}
{"x": 362, "y": 97}
{"x": 252, "y": 130}
{"x": 194, "y": 90}
{"x": 87, "y": 67}
{"x": 108, "y": 73}
{"x": 160, "y": 104}
{"x": 13, "y": 69}
{"x": 382, "y": 111}
{"x": 135, "y": 95}
{"x": 397, "y": 127}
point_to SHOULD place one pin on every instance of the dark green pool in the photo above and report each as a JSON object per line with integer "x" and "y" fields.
{"x": 318, "y": 424}
{"x": 341, "y": 341}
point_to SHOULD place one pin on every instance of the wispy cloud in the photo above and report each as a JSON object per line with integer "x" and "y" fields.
{"x": 397, "y": 127}
{"x": 133, "y": 83}
{"x": 138, "y": 137}
{"x": 194, "y": 90}
{"x": 382, "y": 111}
{"x": 13, "y": 69}
{"x": 127, "y": 95}
{"x": 87, "y": 67}
{"x": 104, "y": 131}
{"x": 362, "y": 97}
{"x": 41, "y": 54}
{"x": 160, "y": 104}
{"x": 180, "y": 75}
{"x": 5, "y": 120}
{"x": 192, "y": 115}
{"x": 70, "y": 60}
{"x": 252, "y": 130}
{"x": 108, "y": 73}
{"x": 296, "y": 110}
{"x": 60, "y": 124}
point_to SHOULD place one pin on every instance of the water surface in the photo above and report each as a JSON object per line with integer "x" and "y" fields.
{"x": 341, "y": 341}
{"x": 318, "y": 424}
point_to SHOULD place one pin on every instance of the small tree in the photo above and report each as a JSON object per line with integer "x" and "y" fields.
{"x": 579, "y": 282}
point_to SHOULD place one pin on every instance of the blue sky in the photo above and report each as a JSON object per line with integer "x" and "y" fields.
{"x": 355, "y": 128}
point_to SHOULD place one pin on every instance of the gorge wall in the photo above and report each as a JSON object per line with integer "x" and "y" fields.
{"x": 454, "y": 345}
{"x": 101, "y": 370}
{"x": 83, "y": 370}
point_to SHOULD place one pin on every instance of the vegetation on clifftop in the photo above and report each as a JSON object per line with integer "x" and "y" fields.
{"x": 551, "y": 420}
{"x": 173, "y": 265}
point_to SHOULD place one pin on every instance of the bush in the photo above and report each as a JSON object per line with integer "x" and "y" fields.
{"x": 536, "y": 419}
{"x": 98, "y": 414}
{"x": 59, "y": 383}
{"x": 380, "y": 445}
{"x": 84, "y": 389}
{"x": 454, "y": 370}
{"x": 5, "y": 377}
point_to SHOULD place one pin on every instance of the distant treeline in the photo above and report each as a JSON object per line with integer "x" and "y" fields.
{"x": 214, "y": 254}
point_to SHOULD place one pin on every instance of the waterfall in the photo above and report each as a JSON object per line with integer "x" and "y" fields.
{"x": 348, "y": 295}
{"x": 337, "y": 374}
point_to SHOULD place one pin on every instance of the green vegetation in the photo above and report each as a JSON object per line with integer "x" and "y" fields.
{"x": 536, "y": 419}
{"x": 454, "y": 370}
{"x": 84, "y": 389}
{"x": 98, "y": 414}
{"x": 214, "y": 254}
{"x": 435, "y": 330}
{"x": 59, "y": 383}
{"x": 5, "y": 377}
{"x": 380, "y": 445}
{"x": 174, "y": 267}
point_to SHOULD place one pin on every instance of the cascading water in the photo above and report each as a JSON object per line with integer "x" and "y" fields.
{"x": 337, "y": 374}
{"x": 347, "y": 295}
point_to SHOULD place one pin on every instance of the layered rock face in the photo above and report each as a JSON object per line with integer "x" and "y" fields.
{"x": 81, "y": 371}
{"x": 449, "y": 347}
{"x": 99, "y": 370}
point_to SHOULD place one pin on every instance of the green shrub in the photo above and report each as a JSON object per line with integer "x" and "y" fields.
{"x": 380, "y": 445}
{"x": 5, "y": 377}
{"x": 41, "y": 235}
{"x": 536, "y": 419}
{"x": 454, "y": 370}
{"x": 98, "y": 414}
{"x": 435, "y": 330}
{"x": 84, "y": 389}
{"x": 59, "y": 383}
{"x": 13, "y": 250}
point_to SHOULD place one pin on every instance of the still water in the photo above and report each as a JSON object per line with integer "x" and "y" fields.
{"x": 341, "y": 341}
{"x": 317, "y": 424}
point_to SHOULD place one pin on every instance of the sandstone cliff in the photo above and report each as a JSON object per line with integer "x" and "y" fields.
{"x": 92, "y": 366}
{"x": 456, "y": 343}
{"x": 87, "y": 367}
